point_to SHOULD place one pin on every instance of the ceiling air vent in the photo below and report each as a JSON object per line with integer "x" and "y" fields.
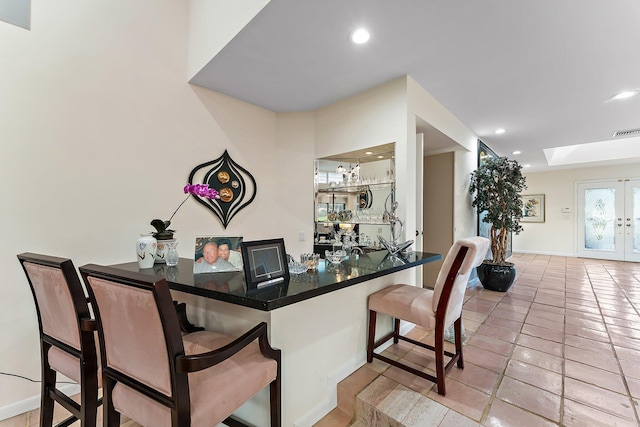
{"x": 630, "y": 132}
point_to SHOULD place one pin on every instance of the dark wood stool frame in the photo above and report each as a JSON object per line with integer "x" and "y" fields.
{"x": 180, "y": 364}
{"x": 438, "y": 349}
{"x": 86, "y": 411}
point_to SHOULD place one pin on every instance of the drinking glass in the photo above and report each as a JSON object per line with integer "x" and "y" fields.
{"x": 311, "y": 261}
{"x": 172, "y": 254}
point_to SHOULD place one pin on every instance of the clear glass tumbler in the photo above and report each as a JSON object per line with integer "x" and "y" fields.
{"x": 311, "y": 261}
{"x": 172, "y": 254}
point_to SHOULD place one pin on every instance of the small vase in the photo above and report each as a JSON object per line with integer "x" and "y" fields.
{"x": 163, "y": 246}
{"x": 146, "y": 246}
{"x": 172, "y": 256}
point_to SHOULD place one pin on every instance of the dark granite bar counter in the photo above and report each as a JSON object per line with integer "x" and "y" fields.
{"x": 231, "y": 287}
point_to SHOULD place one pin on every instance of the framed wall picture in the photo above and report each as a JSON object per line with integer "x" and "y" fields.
{"x": 265, "y": 263}
{"x": 214, "y": 254}
{"x": 532, "y": 208}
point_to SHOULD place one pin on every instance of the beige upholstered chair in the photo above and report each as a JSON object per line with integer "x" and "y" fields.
{"x": 67, "y": 337}
{"x": 160, "y": 378}
{"x": 435, "y": 309}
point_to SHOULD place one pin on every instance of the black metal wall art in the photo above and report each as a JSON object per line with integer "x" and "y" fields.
{"x": 235, "y": 185}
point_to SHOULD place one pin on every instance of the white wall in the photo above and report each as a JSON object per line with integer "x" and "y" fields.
{"x": 295, "y": 139}
{"x": 99, "y": 133}
{"x": 212, "y": 24}
{"x": 421, "y": 104}
{"x": 557, "y": 235}
{"x": 373, "y": 117}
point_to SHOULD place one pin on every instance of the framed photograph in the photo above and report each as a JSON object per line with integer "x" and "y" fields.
{"x": 532, "y": 208}
{"x": 265, "y": 263}
{"x": 214, "y": 254}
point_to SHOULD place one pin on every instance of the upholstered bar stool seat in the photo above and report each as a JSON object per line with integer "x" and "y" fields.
{"x": 405, "y": 302}
{"x": 215, "y": 392}
{"x": 69, "y": 366}
{"x": 436, "y": 309}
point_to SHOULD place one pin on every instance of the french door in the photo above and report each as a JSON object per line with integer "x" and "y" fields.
{"x": 609, "y": 220}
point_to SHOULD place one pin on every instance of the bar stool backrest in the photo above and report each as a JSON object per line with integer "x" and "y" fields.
{"x": 477, "y": 249}
{"x": 132, "y": 327}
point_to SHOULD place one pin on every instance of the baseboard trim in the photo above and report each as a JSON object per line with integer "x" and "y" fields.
{"x": 31, "y": 403}
{"x": 327, "y": 405}
{"x": 524, "y": 251}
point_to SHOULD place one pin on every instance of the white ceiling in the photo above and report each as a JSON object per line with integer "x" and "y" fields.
{"x": 543, "y": 69}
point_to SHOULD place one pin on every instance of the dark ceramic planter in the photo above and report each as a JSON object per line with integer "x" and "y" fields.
{"x": 165, "y": 235}
{"x": 496, "y": 277}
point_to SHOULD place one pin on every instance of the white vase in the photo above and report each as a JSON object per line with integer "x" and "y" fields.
{"x": 146, "y": 247}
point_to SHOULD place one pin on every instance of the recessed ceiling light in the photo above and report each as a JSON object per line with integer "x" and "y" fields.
{"x": 515, "y": 153}
{"x": 360, "y": 36}
{"x": 499, "y": 131}
{"x": 368, "y": 153}
{"x": 381, "y": 157}
{"x": 624, "y": 95}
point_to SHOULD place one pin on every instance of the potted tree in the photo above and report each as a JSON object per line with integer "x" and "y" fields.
{"x": 496, "y": 187}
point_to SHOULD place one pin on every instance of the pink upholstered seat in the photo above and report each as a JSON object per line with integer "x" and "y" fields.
{"x": 69, "y": 365}
{"x": 233, "y": 381}
{"x": 160, "y": 378}
{"x": 436, "y": 309}
{"x": 67, "y": 337}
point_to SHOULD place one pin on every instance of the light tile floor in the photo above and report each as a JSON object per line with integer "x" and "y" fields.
{"x": 560, "y": 348}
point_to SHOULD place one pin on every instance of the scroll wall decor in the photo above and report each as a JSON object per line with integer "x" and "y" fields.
{"x": 236, "y": 186}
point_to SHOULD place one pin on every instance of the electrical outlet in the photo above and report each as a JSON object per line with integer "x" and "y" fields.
{"x": 301, "y": 236}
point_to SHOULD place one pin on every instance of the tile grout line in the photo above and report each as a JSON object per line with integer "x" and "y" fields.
{"x": 564, "y": 347}
{"x": 613, "y": 348}
{"x": 494, "y": 395}
{"x": 564, "y": 319}
{"x": 515, "y": 343}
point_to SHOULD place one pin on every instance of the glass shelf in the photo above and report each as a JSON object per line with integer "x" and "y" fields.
{"x": 355, "y": 188}
{"x": 351, "y": 223}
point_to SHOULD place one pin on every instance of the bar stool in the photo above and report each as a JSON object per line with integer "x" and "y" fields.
{"x": 435, "y": 309}
{"x": 67, "y": 338}
{"x": 158, "y": 377}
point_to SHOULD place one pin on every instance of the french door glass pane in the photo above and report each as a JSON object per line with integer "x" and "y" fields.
{"x": 599, "y": 214}
{"x": 636, "y": 219}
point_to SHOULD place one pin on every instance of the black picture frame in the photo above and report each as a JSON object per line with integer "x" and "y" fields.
{"x": 265, "y": 263}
